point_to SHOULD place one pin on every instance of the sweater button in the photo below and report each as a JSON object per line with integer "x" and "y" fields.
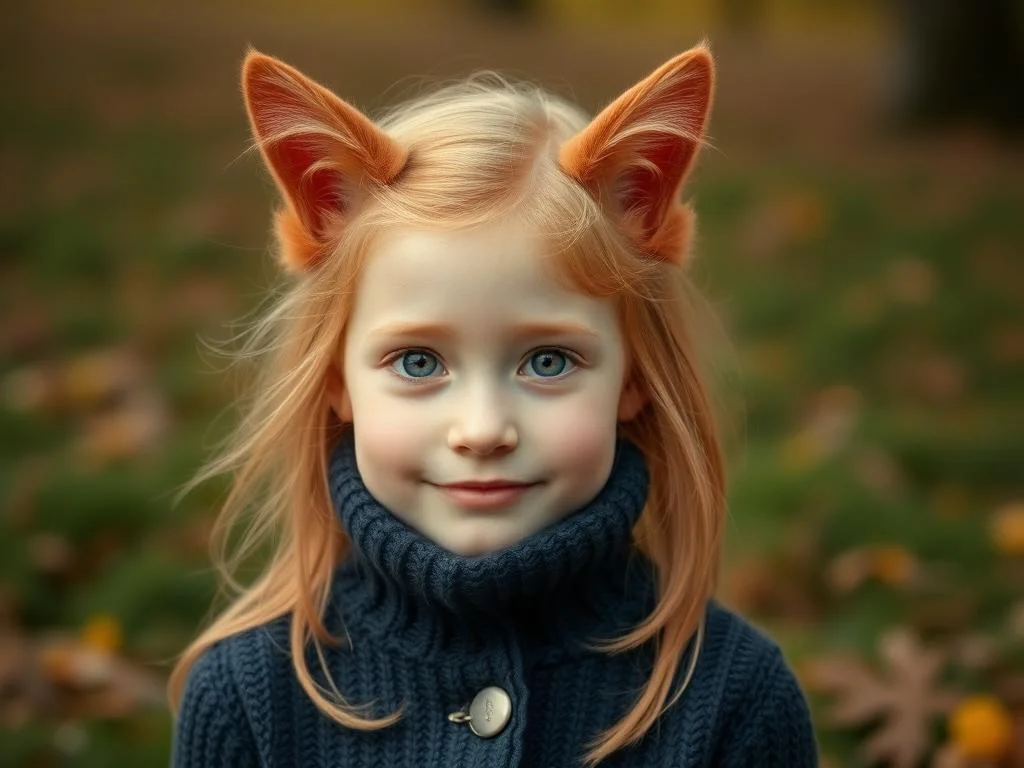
{"x": 490, "y": 712}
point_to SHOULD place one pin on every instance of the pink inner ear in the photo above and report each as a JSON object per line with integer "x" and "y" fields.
{"x": 650, "y": 191}
{"x": 315, "y": 194}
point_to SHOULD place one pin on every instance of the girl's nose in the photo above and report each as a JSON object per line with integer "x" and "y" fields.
{"x": 482, "y": 425}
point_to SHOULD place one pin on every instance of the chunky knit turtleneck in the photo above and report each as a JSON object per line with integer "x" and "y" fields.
{"x": 425, "y": 630}
{"x": 549, "y": 590}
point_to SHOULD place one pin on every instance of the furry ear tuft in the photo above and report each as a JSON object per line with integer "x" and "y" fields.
{"x": 297, "y": 249}
{"x": 634, "y": 156}
{"x": 322, "y": 152}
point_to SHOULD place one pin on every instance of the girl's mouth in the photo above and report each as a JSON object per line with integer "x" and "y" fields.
{"x": 491, "y": 495}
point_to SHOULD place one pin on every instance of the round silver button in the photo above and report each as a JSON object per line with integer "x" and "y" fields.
{"x": 490, "y": 712}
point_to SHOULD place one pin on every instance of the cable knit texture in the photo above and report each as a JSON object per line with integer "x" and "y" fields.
{"x": 425, "y": 629}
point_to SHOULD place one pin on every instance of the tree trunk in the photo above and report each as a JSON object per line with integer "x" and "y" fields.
{"x": 963, "y": 60}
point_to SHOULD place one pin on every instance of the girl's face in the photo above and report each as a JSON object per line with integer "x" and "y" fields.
{"x": 465, "y": 361}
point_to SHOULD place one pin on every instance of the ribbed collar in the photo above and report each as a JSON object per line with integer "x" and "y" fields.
{"x": 580, "y": 577}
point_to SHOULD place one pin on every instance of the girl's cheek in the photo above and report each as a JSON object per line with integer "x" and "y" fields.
{"x": 578, "y": 439}
{"x": 388, "y": 432}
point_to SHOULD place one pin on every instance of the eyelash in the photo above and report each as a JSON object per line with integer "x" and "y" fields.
{"x": 571, "y": 356}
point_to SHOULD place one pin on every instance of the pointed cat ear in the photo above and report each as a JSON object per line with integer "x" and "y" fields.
{"x": 322, "y": 151}
{"x": 634, "y": 156}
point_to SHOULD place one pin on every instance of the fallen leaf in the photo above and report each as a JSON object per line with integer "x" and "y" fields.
{"x": 123, "y": 433}
{"x": 879, "y": 472}
{"x": 849, "y": 570}
{"x": 1007, "y": 528}
{"x": 894, "y": 565}
{"x": 890, "y": 564}
{"x": 905, "y": 698}
{"x": 947, "y": 756}
{"x": 70, "y": 664}
{"x": 834, "y": 414}
{"x": 92, "y": 378}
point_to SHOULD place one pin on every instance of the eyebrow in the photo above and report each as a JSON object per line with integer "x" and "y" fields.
{"x": 448, "y": 332}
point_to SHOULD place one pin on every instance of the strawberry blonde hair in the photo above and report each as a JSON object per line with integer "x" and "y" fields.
{"x": 605, "y": 194}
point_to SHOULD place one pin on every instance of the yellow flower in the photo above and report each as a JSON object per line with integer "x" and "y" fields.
{"x": 981, "y": 728}
{"x": 1007, "y": 529}
{"x": 892, "y": 564}
{"x": 102, "y": 633}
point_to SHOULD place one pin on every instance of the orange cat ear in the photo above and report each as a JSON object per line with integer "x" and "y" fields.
{"x": 322, "y": 152}
{"x": 634, "y": 155}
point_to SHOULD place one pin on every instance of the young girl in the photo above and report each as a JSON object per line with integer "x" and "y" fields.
{"x": 482, "y": 451}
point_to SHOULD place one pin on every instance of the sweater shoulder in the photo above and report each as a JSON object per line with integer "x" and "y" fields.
{"x": 234, "y": 686}
{"x": 246, "y": 658}
{"x": 738, "y": 647}
{"x": 738, "y": 659}
{"x": 734, "y": 661}
{"x": 762, "y": 705}
{"x": 211, "y": 725}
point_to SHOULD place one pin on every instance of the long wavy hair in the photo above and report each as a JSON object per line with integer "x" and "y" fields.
{"x": 604, "y": 193}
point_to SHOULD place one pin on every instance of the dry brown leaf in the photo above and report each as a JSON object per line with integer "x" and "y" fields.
{"x": 905, "y": 698}
{"x": 104, "y": 677}
{"x": 890, "y": 564}
{"x": 879, "y": 472}
{"x": 947, "y": 756}
{"x": 849, "y": 570}
{"x": 89, "y": 379}
{"x": 123, "y": 433}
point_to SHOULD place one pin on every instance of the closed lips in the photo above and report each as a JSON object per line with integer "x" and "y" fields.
{"x": 494, "y": 485}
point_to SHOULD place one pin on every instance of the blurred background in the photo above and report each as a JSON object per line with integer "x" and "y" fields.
{"x": 862, "y": 225}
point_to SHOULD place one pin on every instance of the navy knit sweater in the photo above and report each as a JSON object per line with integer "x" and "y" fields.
{"x": 428, "y": 630}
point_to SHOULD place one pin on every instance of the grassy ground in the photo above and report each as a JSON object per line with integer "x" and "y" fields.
{"x": 870, "y": 283}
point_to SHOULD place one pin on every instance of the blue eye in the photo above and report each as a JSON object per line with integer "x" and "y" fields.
{"x": 423, "y": 364}
{"x": 416, "y": 364}
{"x": 548, "y": 363}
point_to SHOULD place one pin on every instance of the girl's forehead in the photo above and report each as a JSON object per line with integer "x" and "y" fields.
{"x": 494, "y": 258}
{"x": 478, "y": 276}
